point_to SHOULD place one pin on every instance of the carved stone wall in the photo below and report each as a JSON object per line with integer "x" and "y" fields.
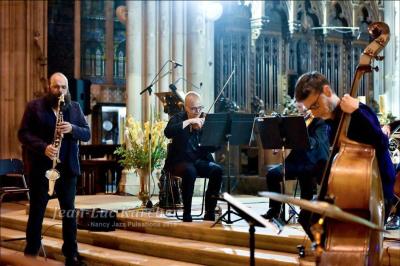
{"x": 23, "y": 52}
{"x": 290, "y": 38}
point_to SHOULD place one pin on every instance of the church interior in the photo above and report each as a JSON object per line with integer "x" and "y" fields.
{"x": 130, "y": 66}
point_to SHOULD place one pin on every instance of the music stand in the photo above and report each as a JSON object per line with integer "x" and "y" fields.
{"x": 172, "y": 102}
{"x": 283, "y": 132}
{"x": 227, "y": 128}
{"x": 252, "y": 218}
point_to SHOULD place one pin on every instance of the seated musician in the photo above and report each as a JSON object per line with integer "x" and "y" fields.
{"x": 305, "y": 164}
{"x": 393, "y": 222}
{"x": 314, "y": 91}
{"x": 188, "y": 160}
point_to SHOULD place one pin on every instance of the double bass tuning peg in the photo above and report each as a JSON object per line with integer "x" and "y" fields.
{"x": 379, "y": 58}
{"x": 376, "y": 68}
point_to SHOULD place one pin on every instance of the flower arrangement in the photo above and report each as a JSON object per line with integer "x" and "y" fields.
{"x": 134, "y": 152}
{"x": 289, "y": 106}
{"x": 386, "y": 118}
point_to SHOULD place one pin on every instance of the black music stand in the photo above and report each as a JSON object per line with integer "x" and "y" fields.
{"x": 251, "y": 217}
{"x": 229, "y": 129}
{"x": 283, "y": 132}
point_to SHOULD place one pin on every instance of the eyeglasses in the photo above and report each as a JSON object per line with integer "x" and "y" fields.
{"x": 196, "y": 109}
{"x": 59, "y": 86}
{"x": 315, "y": 104}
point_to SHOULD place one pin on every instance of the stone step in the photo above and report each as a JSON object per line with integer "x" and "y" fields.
{"x": 187, "y": 250}
{"x": 237, "y": 235}
{"x": 14, "y": 257}
{"x": 92, "y": 255}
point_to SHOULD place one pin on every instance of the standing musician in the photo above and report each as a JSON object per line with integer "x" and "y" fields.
{"x": 37, "y": 132}
{"x": 188, "y": 160}
{"x": 313, "y": 90}
{"x": 305, "y": 164}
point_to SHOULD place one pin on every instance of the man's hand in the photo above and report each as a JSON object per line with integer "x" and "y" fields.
{"x": 349, "y": 104}
{"x": 51, "y": 152}
{"x": 196, "y": 122}
{"x": 199, "y": 121}
{"x": 64, "y": 127}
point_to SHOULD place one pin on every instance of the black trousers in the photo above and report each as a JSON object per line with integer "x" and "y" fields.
{"x": 306, "y": 181}
{"x": 65, "y": 189}
{"x": 189, "y": 172}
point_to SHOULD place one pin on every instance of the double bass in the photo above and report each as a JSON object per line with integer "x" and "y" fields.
{"x": 353, "y": 181}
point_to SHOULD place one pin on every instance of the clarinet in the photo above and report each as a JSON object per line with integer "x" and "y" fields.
{"x": 53, "y": 174}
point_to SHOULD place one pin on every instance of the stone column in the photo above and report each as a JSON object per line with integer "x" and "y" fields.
{"x": 178, "y": 41}
{"x": 164, "y": 41}
{"x": 197, "y": 70}
{"x": 392, "y": 59}
{"x": 109, "y": 52}
{"x": 134, "y": 71}
{"x": 23, "y": 53}
{"x": 150, "y": 55}
{"x": 134, "y": 54}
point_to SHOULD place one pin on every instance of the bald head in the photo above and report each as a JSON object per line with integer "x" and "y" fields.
{"x": 192, "y": 96}
{"x": 58, "y": 85}
{"x": 58, "y": 77}
{"x": 193, "y": 105}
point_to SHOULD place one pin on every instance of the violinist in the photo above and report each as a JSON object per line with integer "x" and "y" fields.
{"x": 304, "y": 164}
{"x": 314, "y": 91}
{"x": 188, "y": 160}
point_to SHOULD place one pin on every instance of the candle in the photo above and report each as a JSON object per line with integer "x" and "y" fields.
{"x": 382, "y": 104}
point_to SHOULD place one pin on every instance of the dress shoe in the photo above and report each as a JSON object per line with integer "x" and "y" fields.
{"x": 393, "y": 223}
{"x": 209, "y": 216}
{"x": 187, "y": 217}
{"x": 271, "y": 213}
{"x": 74, "y": 261}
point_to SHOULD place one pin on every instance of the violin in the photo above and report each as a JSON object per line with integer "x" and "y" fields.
{"x": 194, "y": 127}
{"x": 308, "y": 118}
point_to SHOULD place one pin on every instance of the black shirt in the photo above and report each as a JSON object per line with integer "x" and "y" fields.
{"x": 185, "y": 142}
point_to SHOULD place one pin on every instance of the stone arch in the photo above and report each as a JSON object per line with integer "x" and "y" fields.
{"x": 337, "y": 16}
{"x": 307, "y": 13}
{"x": 119, "y": 60}
{"x": 92, "y": 58}
{"x": 278, "y": 13}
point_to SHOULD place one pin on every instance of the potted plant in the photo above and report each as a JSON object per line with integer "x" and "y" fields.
{"x": 134, "y": 152}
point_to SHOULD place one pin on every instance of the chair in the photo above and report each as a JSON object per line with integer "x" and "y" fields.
{"x": 176, "y": 181}
{"x": 14, "y": 168}
{"x": 293, "y": 214}
{"x": 396, "y": 193}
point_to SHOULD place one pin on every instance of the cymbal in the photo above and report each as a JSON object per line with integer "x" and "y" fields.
{"x": 321, "y": 207}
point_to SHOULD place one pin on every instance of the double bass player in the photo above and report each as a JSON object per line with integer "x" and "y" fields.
{"x": 314, "y": 91}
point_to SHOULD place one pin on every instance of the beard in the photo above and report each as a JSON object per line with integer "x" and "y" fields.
{"x": 53, "y": 99}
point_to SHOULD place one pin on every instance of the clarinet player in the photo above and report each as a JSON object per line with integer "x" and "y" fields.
{"x": 43, "y": 143}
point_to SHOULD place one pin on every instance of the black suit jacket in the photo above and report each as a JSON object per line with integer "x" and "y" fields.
{"x": 185, "y": 144}
{"x": 37, "y": 131}
{"x": 311, "y": 161}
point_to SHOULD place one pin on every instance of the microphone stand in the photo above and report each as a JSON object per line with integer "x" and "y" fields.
{"x": 189, "y": 82}
{"x": 146, "y": 197}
